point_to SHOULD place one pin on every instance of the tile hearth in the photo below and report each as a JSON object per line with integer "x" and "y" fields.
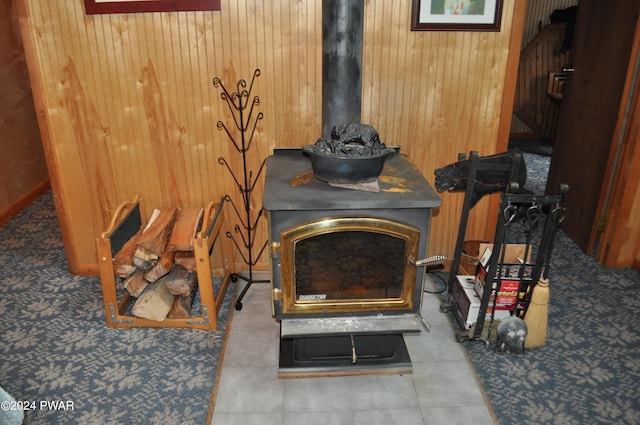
{"x": 441, "y": 390}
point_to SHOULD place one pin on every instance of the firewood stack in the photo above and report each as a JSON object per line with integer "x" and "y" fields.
{"x": 158, "y": 266}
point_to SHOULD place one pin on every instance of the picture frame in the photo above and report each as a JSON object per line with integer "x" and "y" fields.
{"x": 96, "y": 7}
{"x": 456, "y": 15}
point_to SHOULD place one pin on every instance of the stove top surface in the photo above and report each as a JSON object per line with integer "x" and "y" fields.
{"x": 291, "y": 185}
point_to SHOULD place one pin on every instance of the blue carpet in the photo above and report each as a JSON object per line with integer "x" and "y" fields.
{"x": 588, "y": 372}
{"x": 55, "y": 346}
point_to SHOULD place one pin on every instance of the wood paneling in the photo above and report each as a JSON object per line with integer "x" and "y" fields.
{"x": 23, "y": 171}
{"x": 126, "y": 105}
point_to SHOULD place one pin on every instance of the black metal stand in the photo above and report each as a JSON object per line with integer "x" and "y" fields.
{"x": 514, "y": 206}
{"x": 238, "y": 102}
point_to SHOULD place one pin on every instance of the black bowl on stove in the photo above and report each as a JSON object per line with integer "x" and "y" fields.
{"x": 347, "y": 169}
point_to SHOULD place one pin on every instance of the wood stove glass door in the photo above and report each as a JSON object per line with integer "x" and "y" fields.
{"x": 352, "y": 265}
{"x": 348, "y": 264}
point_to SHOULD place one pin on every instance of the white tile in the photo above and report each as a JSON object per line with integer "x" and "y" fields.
{"x": 446, "y": 384}
{"x": 253, "y": 347}
{"x": 254, "y": 316}
{"x": 436, "y": 345}
{"x": 264, "y": 418}
{"x": 317, "y": 394}
{"x": 447, "y": 415}
{"x": 318, "y": 418}
{"x": 388, "y": 417}
{"x": 256, "y": 309}
{"x": 431, "y": 310}
{"x": 225, "y": 418}
{"x": 382, "y": 391}
{"x": 249, "y": 389}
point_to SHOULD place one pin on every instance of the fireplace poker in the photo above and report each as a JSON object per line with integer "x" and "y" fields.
{"x": 533, "y": 215}
{"x": 558, "y": 215}
{"x": 510, "y": 213}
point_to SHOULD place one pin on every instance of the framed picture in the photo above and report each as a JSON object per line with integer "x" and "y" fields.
{"x": 94, "y": 7}
{"x": 456, "y": 15}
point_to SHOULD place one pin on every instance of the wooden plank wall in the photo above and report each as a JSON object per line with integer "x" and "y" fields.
{"x": 23, "y": 171}
{"x": 126, "y": 105}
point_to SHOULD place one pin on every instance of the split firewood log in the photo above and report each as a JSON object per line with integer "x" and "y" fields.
{"x": 181, "y": 308}
{"x": 187, "y": 224}
{"x": 155, "y": 302}
{"x": 161, "y": 267}
{"x": 135, "y": 283}
{"x": 180, "y": 281}
{"x": 156, "y": 235}
{"x": 141, "y": 258}
{"x": 144, "y": 259}
{"x": 187, "y": 260}
{"x": 123, "y": 261}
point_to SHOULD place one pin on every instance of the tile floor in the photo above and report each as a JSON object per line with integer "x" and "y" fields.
{"x": 441, "y": 390}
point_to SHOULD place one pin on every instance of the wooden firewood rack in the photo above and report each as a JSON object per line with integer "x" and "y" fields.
{"x": 213, "y": 256}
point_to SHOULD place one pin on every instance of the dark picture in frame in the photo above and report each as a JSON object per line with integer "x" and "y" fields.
{"x": 95, "y": 7}
{"x": 456, "y": 15}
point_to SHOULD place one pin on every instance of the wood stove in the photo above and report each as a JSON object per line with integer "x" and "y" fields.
{"x": 345, "y": 285}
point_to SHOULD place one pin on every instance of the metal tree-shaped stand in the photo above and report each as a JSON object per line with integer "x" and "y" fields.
{"x": 238, "y": 102}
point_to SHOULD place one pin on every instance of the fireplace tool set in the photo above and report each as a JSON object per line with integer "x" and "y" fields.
{"x": 241, "y": 105}
{"x": 506, "y": 280}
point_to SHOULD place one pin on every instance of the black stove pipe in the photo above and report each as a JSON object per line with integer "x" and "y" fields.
{"x": 342, "y": 34}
